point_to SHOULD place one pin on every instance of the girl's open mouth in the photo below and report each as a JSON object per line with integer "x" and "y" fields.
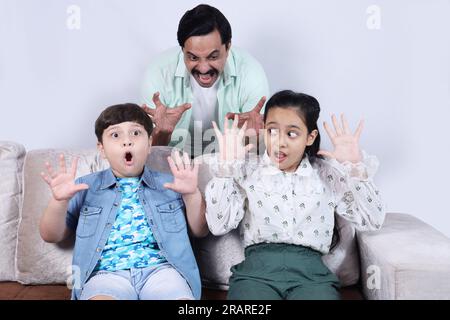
{"x": 280, "y": 156}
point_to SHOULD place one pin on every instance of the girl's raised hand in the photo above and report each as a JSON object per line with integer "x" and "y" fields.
{"x": 231, "y": 142}
{"x": 62, "y": 183}
{"x": 346, "y": 144}
{"x": 185, "y": 175}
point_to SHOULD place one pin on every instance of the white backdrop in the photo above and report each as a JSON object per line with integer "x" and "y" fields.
{"x": 385, "y": 61}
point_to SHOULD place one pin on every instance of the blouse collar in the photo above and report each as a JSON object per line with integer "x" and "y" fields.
{"x": 304, "y": 169}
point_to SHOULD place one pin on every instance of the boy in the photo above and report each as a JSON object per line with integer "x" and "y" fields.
{"x": 131, "y": 235}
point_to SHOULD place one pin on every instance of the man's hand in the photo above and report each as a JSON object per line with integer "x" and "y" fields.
{"x": 253, "y": 118}
{"x": 165, "y": 119}
{"x": 62, "y": 183}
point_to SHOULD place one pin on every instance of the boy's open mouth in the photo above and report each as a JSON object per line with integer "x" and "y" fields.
{"x": 128, "y": 157}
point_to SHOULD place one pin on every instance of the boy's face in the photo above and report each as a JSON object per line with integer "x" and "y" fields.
{"x": 286, "y": 137}
{"x": 126, "y": 146}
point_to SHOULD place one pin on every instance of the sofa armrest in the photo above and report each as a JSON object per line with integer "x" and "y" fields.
{"x": 405, "y": 259}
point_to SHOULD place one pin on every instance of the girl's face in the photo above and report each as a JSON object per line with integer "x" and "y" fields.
{"x": 286, "y": 138}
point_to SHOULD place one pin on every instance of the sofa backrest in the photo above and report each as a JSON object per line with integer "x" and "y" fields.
{"x": 39, "y": 262}
{"x": 11, "y": 163}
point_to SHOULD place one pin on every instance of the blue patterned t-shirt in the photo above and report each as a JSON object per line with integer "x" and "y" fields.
{"x": 131, "y": 243}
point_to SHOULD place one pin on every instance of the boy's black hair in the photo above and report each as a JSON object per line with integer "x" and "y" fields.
{"x": 308, "y": 109}
{"x": 202, "y": 20}
{"x": 122, "y": 113}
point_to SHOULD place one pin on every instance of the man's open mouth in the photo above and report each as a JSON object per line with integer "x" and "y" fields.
{"x": 207, "y": 78}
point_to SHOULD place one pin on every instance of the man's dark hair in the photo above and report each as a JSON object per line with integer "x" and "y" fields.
{"x": 122, "y": 113}
{"x": 201, "y": 21}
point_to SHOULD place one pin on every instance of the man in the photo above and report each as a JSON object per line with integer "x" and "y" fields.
{"x": 207, "y": 80}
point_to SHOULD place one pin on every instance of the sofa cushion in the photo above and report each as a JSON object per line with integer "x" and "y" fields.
{"x": 11, "y": 162}
{"x": 39, "y": 262}
{"x": 343, "y": 259}
{"x": 406, "y": 259}
{"x": 217, "y": 254}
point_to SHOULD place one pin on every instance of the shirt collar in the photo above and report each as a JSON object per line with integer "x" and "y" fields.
{"x": 108, "y": 178}
{"x": 148, "y": 179}
{"x": 228, "y": 72}
{"x": 304, "y": 168}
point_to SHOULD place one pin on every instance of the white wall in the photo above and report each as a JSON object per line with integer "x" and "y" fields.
{"x": 54, "y": 81}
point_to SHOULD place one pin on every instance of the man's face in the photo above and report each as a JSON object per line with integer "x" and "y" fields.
{"x": 205, "y": 57}
{"x": 126, "y": 146}
{"x": 286, "y": 137}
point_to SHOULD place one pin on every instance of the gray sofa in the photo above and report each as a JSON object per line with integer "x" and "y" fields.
{"x": 406, "y": 259}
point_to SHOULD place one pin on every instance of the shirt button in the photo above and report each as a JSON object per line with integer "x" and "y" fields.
{"x": 99, "y": 250}
{"x": 170, "y": 206}
{"x": 115, "y": 204}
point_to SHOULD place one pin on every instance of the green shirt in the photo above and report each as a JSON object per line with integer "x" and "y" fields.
{"x": 242, "y": 84}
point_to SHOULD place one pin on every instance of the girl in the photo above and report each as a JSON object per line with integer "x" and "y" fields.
{"x": 286, "y": 200}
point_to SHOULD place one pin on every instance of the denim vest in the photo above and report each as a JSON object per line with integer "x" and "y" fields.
{"x": 92, "y": 214}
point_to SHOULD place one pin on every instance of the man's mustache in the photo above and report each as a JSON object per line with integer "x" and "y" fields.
{"x": 210, "y": 72}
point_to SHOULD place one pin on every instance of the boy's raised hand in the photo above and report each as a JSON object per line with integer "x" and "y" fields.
{"x": 62, "y": 183}
{"x": 231, "y": 142}
{"x": 185, "y": 174}
{"x": 346, "y": 144}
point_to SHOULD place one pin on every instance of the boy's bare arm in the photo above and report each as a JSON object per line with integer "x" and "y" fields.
{"x": 53, "y": 226}
{"x": 195, "y": 212}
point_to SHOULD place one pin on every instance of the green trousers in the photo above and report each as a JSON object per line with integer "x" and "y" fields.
{"x": 276, "y": 271}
